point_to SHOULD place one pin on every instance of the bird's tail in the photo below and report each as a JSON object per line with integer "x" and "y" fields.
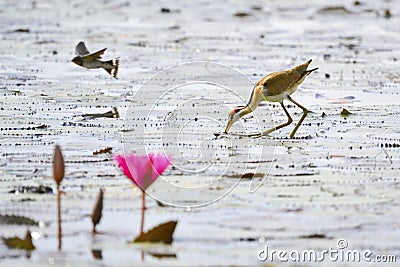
{"x": 111, "y": 67}
{"x": 309, "y": 71}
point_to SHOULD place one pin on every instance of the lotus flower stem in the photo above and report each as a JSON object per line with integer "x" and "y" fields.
{"x": 59, "y": 216}
{"x": 143, "y": 210}
{"x": 58, "y": 175}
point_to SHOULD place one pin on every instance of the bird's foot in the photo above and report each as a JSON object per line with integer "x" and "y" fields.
{"x": 221, "y": 135}
{"x": 255, "y": 135}
{"x": 240, "y": 135}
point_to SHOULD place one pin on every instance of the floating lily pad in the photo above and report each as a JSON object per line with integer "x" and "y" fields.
{"x": 334, "y": 10}
{"x": 163, "y": 255}
{"x": 345, "y": 113}
{"x": 109, "y": 114}
{"x": 18, "y": 243}
{"x": 97, "y": 254}
{"x": 161, "y": 233}
{"x": 242, "y": 14}
{"x": 248, "y": 175}
{"x": 41, "y": 189}
{"x": 106, "y": 150}
{"x": 314, "y": 236}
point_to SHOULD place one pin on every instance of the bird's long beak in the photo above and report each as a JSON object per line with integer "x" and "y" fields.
{"x": 230, "y": 122}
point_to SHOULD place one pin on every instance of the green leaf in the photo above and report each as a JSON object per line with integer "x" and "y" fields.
{"x": 18, "y": 243}
{"x": 18, "y": 220}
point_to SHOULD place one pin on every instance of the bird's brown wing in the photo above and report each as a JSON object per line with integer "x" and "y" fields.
{"x": 95, "y": 55}
{"x": 277, "y": 82}
{"x": 81, "y": 49}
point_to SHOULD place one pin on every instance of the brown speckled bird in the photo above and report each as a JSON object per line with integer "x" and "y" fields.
{"x": 92, "y": 61}
{"x": 274, "y": 87}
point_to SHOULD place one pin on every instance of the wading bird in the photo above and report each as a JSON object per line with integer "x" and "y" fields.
{"x": 92, "y": 61}
{"x": 274, "y": 87}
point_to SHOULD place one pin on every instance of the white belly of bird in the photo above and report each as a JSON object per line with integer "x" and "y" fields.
{"x": 95, "y": 64}
{"x": 281, "y": 96}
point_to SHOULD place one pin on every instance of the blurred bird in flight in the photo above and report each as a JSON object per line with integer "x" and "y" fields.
{"x": 92, "y": 60}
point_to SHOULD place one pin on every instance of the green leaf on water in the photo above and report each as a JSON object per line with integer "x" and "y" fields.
{"x": 345, "y": 113}
{"x": 18, "y": 243}
{"x": 17, "y": 220}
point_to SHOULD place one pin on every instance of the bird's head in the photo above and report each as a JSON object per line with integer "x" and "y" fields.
{"x": 77, "y": 60}
{"x": 233, "y": 117}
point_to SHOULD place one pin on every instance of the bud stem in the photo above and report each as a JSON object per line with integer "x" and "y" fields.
{"x": 143, "y": 210}
{"x": 59, "y": 216}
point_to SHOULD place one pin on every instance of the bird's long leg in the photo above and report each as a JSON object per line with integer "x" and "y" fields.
{"x": 289, "y": 121}
{"x": 305, "y": 112}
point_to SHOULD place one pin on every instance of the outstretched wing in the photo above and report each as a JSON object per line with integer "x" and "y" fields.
{"x": 81, "y": 49}
{"x": 96, "y": 55}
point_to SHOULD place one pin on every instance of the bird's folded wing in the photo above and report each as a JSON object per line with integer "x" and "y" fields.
{"x": 277, "y": 82}
{"x": 81, "y": 49}
{"x": 96, "y": 55}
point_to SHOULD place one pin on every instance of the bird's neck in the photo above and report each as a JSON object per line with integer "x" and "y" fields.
{"x": 244, "y": 111}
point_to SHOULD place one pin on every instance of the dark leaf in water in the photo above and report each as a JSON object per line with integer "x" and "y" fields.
{"x": 258, "y": 8}
{"x": 97, "y": 210}
{"x": 103, "y": 151}
{"x": 139, "y": 44}
{"x": 27, "y": 199}
{"x": 294, "y": 210}
{"x": 17, "y": 220}
{"x": 161, "y": 204}
{"x": 24, "y": 30}
{"x": 41, "y": 189}
{"x": 345, "y": 113}
{"x": 42, "y": 126}
{"x": 314, "y": 236}
{"x": 162, "y": 233}
{"x": 58, "y": 165}
{"x": 388, "y": 14}
{"x": 327, "y": 56}
{"x": 248, "y": 175}
{"x": 242, "y": 14}
{"x": 97, "y": 254}
{"x": 109, "y": 114}
{"x": 18, "y": 243}
{"x": 163, "y": 255}
{"x": 248, "y": 239}
{"x": 335, "y": 10}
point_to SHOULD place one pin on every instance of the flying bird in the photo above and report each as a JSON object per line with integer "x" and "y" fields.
{"x": 92, "y": 60}
{"x": 274, "y": 87}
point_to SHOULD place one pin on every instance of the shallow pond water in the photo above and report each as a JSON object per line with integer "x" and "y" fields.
{"x": 338, "y": 179}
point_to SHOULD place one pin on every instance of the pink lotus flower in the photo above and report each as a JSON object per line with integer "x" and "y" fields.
{"x": 141, "y": 169}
